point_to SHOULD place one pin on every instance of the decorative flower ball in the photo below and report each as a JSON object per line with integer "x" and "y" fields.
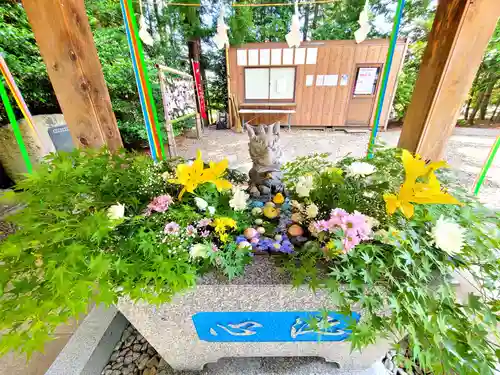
{"x": 261, "y": 230}
{"x": 279, "y": 198}
{"x": 256, "y": 211}
{"x": 297, "y": 217}
{"x": 254, "y": 240}
{"x": 270, "y": 212}
{"x": 244, "y": 244}
{"x": 278, "y": 237}
{"x": 256, "y": 204}
{"x": 295, "y": 230}
{"x": 258, "y": 221}
{"x": 250, "y": 233}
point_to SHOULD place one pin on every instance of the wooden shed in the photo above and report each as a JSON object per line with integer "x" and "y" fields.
{"x": 322, "y": 83}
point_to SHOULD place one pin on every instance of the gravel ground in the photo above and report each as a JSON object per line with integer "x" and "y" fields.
{"x": 133, "y": 355}
{"x": 466, "y": 151}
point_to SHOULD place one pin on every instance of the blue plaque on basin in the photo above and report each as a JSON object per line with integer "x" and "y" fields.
{"x": 270, "y": 326}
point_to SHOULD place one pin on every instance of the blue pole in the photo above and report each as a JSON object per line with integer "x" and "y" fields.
{"x": 385, "y": 76}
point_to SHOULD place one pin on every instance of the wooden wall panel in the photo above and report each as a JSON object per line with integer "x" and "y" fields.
{"x": 331, "y": 91}
{"x": 320, "y": 91}
{"x": 343, "y": 92}
{"x": 397, "y": 64}
{"x": 300, "y": 90}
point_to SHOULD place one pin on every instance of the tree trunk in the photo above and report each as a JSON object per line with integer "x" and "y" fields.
{"x": 486, "y": 98}
{"x": 476, "y": 108}
{"x": 492, "y": 118}
{"x": 467, "y": 109}
{"x": 306, "y": 22}
{"x": 315, "y": 17}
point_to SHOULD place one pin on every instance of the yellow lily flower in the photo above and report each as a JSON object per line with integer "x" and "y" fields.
{"x": 191, "y": 176}
{"x": 428, "y": 192}
{"x": 215, "y": 172}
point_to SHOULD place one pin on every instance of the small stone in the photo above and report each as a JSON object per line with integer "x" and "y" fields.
{"x": 135, "y": 356}
{"x": 150, "y": 371}
{"x": 108, "y": 372}
{"x": 264, "y": 190}
{"x": 126, "y": 371}
{"x": 151, "y": 351}
{"x": 142, "y": 361}
{"x": 125, "y": 335}
{"x": 108, "y": 367}
{"x": 137, "y": 347}
{"x": 116, "y": 365}
{"x": 128, "y": 341}
{"x": 140, "y": 337}
{"x": 124, "y": 352}
{"x": 116, "y": 372}
{"x": 114, "y": 356}
{"x": 153, "y": 362}
{"x": 162, "y": 364}
{"x": 120, "y": 359}
{"x": 144, "y": 347}
{"x": 128, "y": 359}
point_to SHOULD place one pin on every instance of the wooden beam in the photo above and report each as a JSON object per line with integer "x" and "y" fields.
{"x": 67, "y": 46}
{"x": 456, "y": 44}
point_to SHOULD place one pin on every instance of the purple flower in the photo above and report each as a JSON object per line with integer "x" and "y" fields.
{"x": 191, "y": 231}
{"x": 171, "y": 228}
{"x": 160, "y": 203}
{"x": 204, "y": 223}
{"x": 205, "y": 233}
{"x": 240, "y": 238}
{"x": 286, "y": 247}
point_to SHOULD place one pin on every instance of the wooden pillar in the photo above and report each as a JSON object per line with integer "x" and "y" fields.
{"x": 65, "y": 40}
{"x": 457, "y": 41}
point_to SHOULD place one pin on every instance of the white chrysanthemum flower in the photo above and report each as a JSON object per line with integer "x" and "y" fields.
{"x": 116, "y": 212}
{"x": 448, "y": 236}
{"x": 304, "y": 185}
{"x": 312, "y": 211}
{"x": 199, "y": 250}
{"x": 360, "y": 168}
{"x": 211, "y": 210}
{"x": 239, "y": 200}
{"x": 202, "y": 204}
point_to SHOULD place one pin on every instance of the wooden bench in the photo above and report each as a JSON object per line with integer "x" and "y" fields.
{"x": 289, "y": 112}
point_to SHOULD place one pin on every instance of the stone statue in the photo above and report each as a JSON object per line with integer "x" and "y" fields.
{"x": 266, "y": 153}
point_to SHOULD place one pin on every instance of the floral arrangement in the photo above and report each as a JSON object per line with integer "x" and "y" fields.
{"x": 386, "y": 235}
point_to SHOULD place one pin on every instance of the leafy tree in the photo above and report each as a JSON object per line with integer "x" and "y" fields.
{"x": 18, "y": 46}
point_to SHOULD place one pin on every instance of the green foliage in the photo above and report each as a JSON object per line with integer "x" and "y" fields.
{"x": 68, "y": 252}
{"x": 17, "y": 44}
{"x": 400, "y": 278}
{"x": 231, "y": 261}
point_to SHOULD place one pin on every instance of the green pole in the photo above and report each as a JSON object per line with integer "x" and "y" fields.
{"x": 385, "y": 76}
{"x": 487, "y": 165}
{"x": 15, "y": 128}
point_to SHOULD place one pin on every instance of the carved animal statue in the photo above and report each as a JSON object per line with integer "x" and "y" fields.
{"x": 266, "y": 153}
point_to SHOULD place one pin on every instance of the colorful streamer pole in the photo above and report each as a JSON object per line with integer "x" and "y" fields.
{"x": 15, "y": 127}
{"x": 385, "y": 77}
{"x": 143, "y": 85}
{"x": 486, "y": 166}
{"x": 16, "y": 93}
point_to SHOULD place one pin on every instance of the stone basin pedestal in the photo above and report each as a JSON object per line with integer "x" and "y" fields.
{"x": 257, "y": 315}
